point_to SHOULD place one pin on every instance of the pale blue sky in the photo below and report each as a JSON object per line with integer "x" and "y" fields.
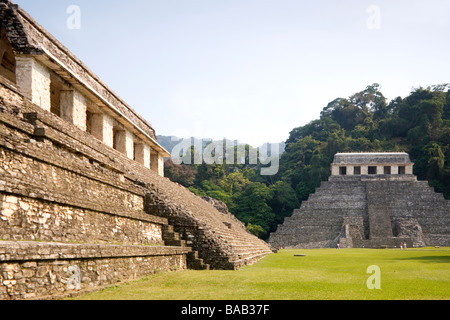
{"x": 251, "y": 70}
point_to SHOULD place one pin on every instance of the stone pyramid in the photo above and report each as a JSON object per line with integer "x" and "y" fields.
{"x": 371, "y": 200}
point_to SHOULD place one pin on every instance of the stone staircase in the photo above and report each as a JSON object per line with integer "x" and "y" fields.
{"x": 319, "y": 221}
{"x": 220, "y": 239}
{"x": 377, "y": 206}
{"x": 172, "y": 238}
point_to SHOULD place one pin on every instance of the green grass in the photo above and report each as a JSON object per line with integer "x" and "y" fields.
{"x": 328, "y": 274}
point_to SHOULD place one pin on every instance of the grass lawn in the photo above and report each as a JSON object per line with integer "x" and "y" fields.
{"x": 326, "y": 274}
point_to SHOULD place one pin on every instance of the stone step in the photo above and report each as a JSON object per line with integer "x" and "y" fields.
{"x": 175, "y": 243}
{"x": 249, "y": 259}
{"x": 172, "y": 238}
{"x": 328, "y": 212}
{"x": 332, "y": 197}
{"x": 196, "y": 263}
{"x": 288, "y": 239}
{"x": 334, "y": 205}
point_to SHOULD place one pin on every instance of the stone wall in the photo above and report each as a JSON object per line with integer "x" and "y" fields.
{"x": 32, "y": 219}
{"x": 36, "y": 270}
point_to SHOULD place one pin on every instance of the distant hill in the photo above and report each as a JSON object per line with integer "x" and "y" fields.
{"x": 170, "y": 142}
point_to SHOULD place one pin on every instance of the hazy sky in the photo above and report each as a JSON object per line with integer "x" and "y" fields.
{"x": 251, "y": 70}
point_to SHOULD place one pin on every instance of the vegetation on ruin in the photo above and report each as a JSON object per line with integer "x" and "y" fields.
{"x": 365, "y": 122}
{"x": 324, "y": 274}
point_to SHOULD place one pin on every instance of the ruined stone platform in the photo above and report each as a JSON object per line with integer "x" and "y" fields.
{"x": 43, "y": 270}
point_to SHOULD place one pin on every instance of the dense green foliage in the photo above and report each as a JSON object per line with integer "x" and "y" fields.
{"x": 365, "y": 122}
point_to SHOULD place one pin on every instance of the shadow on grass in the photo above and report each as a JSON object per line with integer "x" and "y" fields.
{"x": 434, "y": 259}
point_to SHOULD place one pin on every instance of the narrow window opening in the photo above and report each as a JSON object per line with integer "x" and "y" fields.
{"x": 89, "y": 116}
{"x": 402, "y": 170}
{"x": 387, "y": 170}
{"x": 136, "y": 156}
{"x": 372, "y": 170}
{"x": 357, "y": 171}
{"x": 56, "y": 86}
{"x": 343, "y": 171}
{"x": 115, "y": 139}
{"x": 7, "y": 58}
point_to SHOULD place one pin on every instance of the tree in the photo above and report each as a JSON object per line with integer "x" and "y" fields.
{"x": 255, "y": 230}
{"x": 283, "y": 201}
{"x": 371, "y": 100}
{"x": 436, "y": 161}
{"x": 318, "y": 129}
{"x": 182, "y": 174}
{"x": 251, "y": 206}
{"x": 297, "y": 156}
{"x": 446, "y": 109}
{"x": 210, "y": 189}
{"x": 234, "y": 182}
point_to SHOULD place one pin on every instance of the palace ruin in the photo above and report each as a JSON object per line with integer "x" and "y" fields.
{"x": 83, "y": 200}
{"x": 371, "y": 200}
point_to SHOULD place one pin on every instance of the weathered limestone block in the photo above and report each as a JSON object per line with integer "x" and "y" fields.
{"x": 142, "y": 154}
{"x": 33, "y": 80}
{"x": 28, "y": 219}
{"x": 73, "y": 107}
{"x": 124, "y": 143}
{"x": 102, "y": 128}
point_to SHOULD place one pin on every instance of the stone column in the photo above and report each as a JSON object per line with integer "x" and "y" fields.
{"x": 380, "y": 170}
{"x": 160, "y": 165}
{"x": 154, "y": 161}
{"x": 409, "y": 169}
{"x": 124, "y": 142}
{"x": 73, "y": 108}
{"x": 334, "y": 170}
{"x": 142, "y": 154}
{"x": 350, "y": 170}
{"x": 394, "y": 169}
{"x": 364, "y": 170}
{"x": 102, "y": 128}
{"x": 33, "y": 81}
